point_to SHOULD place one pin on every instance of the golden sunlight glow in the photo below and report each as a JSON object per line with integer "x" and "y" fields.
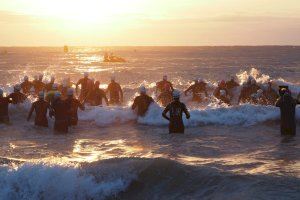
{"x": 88, "y": 11}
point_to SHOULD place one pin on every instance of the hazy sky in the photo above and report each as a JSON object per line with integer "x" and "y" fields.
{"x": 149, "y": 22}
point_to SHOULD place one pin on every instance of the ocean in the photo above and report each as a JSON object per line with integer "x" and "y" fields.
{"x": 227, "y": 152}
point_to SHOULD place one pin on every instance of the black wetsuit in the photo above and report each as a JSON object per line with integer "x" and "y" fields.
{"x": 176, "y": 108}
{"x": 84, "y": 82}
{"x": 164, "y": 85}
{"x": 17, "y": 97}
{"x": 142, "y": 104}
{"x": 196, "y": 89}
{"x": 287, "y": 107}
{"x": 38, "y": 86}
{"x": 247, "y": 91}
{"x": 4, "y": 101}
{"x": 231, "y": 84}
{"x": 217, "y": 94}
{"x": 114, "y": 90}
{"x": 271, "y": 96}
{"x": 96, "y": 96}
{"x": 49, "y": 86}
{"x": 26, "y": 86}
{"x": 41, "y": 107}
{"x": 74, "y": 104}
{"x": 61, "y": 111}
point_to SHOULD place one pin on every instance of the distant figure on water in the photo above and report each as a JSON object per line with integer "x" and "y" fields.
{"x": 176, "y": 109}
{"x": 115, "y": 92}
{"x": 287, "y": 106}
{"x": 142, "y": 102}
{"x": 40, "y": 107}
{"x": 4, "y": 102}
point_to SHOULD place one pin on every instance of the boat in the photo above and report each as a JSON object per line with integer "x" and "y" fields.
{"x": 112, "y": 58}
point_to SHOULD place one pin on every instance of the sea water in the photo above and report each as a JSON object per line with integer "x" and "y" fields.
{"x": 227, "y": 152}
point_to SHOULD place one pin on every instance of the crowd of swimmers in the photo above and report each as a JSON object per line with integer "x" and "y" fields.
{"x": 60, "y": 101}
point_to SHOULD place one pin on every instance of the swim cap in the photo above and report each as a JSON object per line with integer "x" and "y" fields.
{"x": 41, "y": 94}
{"x": 86, "y": 74}
{"x": 165, "y": 77}
{"x": 54, "y": 86}
{"x": 25, "y": 78}
{"x": 222, "y": 83}
{"x": 142, "y": 90}
{"x": 222, "y": 92}
{"x": 70, "y": 92}
{"x": 260, "y": 91}
{"x": 176, "y": 94}
{"x": 17, "y": 87}
{"x": 57, "y": 95}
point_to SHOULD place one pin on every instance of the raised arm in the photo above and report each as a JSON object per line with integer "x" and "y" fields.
{"x": 186, "y": 112}
{"x": 187, "y": 90}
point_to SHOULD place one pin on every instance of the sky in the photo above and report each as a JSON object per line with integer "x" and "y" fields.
{"x": 149, "y": 22}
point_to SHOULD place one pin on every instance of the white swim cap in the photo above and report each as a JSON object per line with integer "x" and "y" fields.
{"x": 222, "y": 92}
{"x": 32, "y": 90}
{"x": 165, "y": 77}
{"x": 176, "y": 94}
{"x": 260, "y": 91}
{"x": 86, "y": 74}
{"x": 25, "y": 78}
{"x": 142, "y": 90}
{"x": 41, "y": 94}
{"x": 70, "y": 92}
{"x": 54, "y": 86}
